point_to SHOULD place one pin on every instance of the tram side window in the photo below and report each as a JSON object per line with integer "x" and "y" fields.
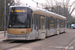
{"x": 29, "y": 20}
{"x": 58, "y": 23}
{"x": 29, "y": 10}
{"x": 42, "y": 22}
{"x": 36, "y": 21}
{"x": 33, "y": 22}
{"x": 48, "y": 23}
{"x": 65, "y": 24}
{"x": 62, "y": 24}
{"x": 55, "y": 22}
{"x": 51, "y": 22}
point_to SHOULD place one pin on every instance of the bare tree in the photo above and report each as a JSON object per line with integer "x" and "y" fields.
{"x": 2, "y": 11}
{"x": 18, "y": 2}
{"x": 71, "y": 6}
{"x": 61, "y": 8}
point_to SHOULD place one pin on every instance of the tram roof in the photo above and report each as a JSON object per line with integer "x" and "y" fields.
{"x": 42, "y": 11}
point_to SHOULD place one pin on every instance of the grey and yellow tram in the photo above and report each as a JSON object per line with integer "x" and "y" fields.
{"x": 27, "y": 23}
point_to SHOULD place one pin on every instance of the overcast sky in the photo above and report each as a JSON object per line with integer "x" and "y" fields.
{"x": 30, "y": 2}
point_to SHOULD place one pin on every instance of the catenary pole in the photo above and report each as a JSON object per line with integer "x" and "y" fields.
{"x": 4, "y": 18}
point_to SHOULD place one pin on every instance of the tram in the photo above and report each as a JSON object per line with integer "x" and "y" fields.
{"x": 29, "y": 23}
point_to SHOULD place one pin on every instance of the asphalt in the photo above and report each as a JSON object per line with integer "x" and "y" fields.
{"x": 64, "y": 41}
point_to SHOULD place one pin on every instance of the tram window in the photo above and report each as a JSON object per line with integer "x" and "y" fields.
{"x": 29, "y": 10}
{"x": 32, "y": 23}
{"x": 39, "y": 22}
{"x": 28, "y": 20}
{"x": 64, "y": 23}
{"x": 55, "y": 22}
{"x": 48, "y": 23}
{"x": 60, "y": 23}
{"x": 36, "y": 21}
{"x": 51, "y": 22}
{"x": 20, "y": 20}
{"x": 42, "y": 22}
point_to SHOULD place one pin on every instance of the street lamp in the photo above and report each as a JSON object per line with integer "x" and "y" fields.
{"x": 4, "y": 18}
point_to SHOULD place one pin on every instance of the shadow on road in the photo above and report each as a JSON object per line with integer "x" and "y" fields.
{"x": 55, "y": 35}
{"x": 24, "y": 41}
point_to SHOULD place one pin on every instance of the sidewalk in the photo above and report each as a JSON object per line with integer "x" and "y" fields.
{"x": 2, "y": 36}
{"x": 1, "y": 32}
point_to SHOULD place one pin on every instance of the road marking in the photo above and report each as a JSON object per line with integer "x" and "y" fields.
{"x": 69, "y": 45}
{"x": 53, "y": 42}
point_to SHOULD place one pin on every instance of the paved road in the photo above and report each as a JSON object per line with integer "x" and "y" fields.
{"x": 65, "y": 41}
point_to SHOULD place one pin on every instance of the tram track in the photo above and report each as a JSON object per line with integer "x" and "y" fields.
{"x": 52, "y": 42}
{"x": 69, "y": 44}
{"x": 14, "y": 44}
{"x": 10, "y": 44}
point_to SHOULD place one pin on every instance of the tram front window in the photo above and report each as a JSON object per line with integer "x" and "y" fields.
{"x": 19, "y": 20}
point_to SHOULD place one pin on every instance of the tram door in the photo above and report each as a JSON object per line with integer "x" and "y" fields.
{"x": 42, "y": 23}
{"x": 36, "y": 21}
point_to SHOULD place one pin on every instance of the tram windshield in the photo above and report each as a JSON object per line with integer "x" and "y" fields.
{"x": 19, "y": 18}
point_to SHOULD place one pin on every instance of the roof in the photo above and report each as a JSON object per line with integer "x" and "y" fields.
{"x": 47, "y": 12}
{"x": 42, "y": 11}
